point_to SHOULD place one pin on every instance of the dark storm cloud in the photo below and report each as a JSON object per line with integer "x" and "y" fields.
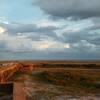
{"x": 70, "y": 8}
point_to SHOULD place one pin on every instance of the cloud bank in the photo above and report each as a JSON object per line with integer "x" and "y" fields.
{"x": 66, "y": 40}
{"x": 70, "y": 8}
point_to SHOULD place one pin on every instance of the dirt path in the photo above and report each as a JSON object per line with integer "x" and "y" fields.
{"x": 18, "y": 92}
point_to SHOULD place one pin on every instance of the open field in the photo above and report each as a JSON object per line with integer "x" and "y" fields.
{"x": 55, "y": 61}
{"x": 55, "y": 80}
{"x": 60, "y": 80}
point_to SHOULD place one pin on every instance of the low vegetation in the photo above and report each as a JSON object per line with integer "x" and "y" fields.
{"x": 58, "y": 80}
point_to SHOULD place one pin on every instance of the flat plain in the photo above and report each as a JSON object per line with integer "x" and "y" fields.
{"x": 59, "y": 80}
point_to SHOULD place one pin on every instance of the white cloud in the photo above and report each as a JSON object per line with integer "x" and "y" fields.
{"x": 2, "y": 30}
{"x": 15, "y": 43}
{"x": 20, "y": 42}
{"x": 75, "y": 26}
{"x": 50, "y": 45}
{"x": 4, "y": 20}
{"x": 47, "y": 23}
{"x": 67, "y": 46}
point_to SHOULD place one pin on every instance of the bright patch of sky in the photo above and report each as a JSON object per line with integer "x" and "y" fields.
{"x": 20, "y": 11}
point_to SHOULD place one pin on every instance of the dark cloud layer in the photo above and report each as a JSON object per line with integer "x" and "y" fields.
{"x": 32, "y": 29}
{"x": 26, "y": 28}
{"x": 70, "y": 8}
{"x": 74, "y": 37}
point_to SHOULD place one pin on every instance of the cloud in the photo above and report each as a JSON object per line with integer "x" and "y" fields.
{"x": 51, "y": 45}
{"x": 54, "y": 39}
{"x": 70, "y": 8}
{"x": 2, "y": 30}
{"x": 85, "y": 46}
{"x": 14, "y": 43}
{"x": 17, "y": 28}
{"x": 75, "y": 31}
{"x": 20, "y": 43}
{"x": 30, "y": 41}
{"x": 47, "y": 23}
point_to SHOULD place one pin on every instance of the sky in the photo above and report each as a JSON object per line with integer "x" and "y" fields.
{"x": 49, "y": 29}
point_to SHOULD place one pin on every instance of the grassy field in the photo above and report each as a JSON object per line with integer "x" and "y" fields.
{"x": 59, "y": 80}
{"x": 50, "y": 81}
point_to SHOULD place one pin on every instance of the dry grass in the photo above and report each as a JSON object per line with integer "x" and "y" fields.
{"x": 71, "y": 80}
